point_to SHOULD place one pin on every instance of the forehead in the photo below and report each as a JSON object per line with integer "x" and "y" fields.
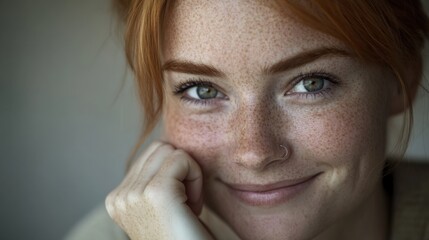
{"x": 236, "y": 33}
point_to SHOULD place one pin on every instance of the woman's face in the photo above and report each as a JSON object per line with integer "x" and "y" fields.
{"x": 242, "y": 79}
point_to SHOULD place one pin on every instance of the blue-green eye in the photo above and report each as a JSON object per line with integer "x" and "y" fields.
{"x": 198, "y": 90}
{"x": 311, "y": 85}
{"x": 202, "y": 92}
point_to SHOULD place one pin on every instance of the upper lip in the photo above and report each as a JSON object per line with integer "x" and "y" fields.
{"x": 270, "y": 186}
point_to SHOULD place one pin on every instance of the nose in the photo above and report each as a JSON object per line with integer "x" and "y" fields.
{"x": 257, "y": 134}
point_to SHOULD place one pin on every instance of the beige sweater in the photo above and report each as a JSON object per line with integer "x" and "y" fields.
{"x": 408, "y": 185}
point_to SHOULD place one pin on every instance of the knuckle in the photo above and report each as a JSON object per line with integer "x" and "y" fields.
{"x": 153, "y": 192}
{"x": 133, "y": 198}
{"x": 111, "y": 204}
{"x": 111, "y": 198}
{"x": 119, "y": 202}
{"x": 108, "y": 201}
{"x": 111, "y": 211}
{"x": 120, "y": 205}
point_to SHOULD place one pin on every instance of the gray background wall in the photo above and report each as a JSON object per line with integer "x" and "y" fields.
{"x": 66, "y": 123}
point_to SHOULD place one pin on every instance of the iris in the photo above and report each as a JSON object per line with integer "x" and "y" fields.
{"x": 314, "y": 84}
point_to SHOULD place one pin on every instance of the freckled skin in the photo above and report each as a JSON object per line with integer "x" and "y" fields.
{"x": 340, "y": 134}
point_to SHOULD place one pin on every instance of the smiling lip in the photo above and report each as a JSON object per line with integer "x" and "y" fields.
{"x": 270, "y": 194}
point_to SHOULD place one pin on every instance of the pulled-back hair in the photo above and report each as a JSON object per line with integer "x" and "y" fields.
{"x": 390, "y": 33}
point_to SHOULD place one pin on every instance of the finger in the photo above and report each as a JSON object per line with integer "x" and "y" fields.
{"x": 193, "y": 185}
{"x": 197, "y": 206}
{"x": 131, "y": 188}
{"x": 178, "y": 170}
{"x": 151, "y": 167}
{"x": 118, "y": 198}
{"x": 139, "y": 163}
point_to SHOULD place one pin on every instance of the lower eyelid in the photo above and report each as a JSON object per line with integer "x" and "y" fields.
{"x": 199, "y": 102}
{"x": 318, "y": 93}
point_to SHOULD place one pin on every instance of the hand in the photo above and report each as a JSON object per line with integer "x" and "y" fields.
{"x": 160, "y": 197}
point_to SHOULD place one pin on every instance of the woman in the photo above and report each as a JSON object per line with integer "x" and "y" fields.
{"x": 274, "y": 116}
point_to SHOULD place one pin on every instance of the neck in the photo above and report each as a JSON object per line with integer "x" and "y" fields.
{"x": 370, "y": 221}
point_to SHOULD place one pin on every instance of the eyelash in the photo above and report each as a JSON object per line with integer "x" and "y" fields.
{"x": 180, "y": 88}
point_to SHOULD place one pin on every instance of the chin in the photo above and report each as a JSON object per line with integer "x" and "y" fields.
{"x": 281, "y": 226}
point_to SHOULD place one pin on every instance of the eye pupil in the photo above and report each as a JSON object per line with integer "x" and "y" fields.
{"x": 314, "y": 84}
{"x": 206, "y": 92}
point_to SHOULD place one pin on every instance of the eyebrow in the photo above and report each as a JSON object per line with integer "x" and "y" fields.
{"x": 303, "y": 58}
{"x": 192, "y": 68}
{"x": 281, "y": 66}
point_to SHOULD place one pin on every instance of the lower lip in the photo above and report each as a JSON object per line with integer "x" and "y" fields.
{"x": 273, "y": 197}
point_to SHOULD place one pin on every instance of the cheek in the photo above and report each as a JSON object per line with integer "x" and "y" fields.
{"x": 342, "y": 133}
{"x": 201, "y": 137}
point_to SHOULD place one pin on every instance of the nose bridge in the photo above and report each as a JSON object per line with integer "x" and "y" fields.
{"x": 255, "y": 135}
{"x": 253, "y": 124}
